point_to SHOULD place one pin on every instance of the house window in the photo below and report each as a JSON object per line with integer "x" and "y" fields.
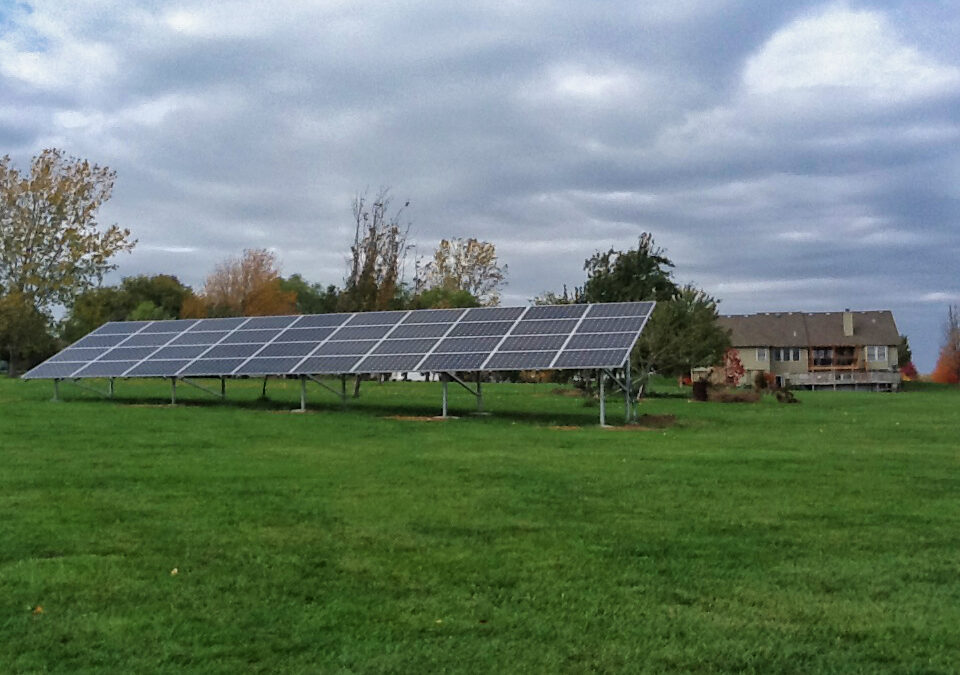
{"x": 761, "y": 354}
{"x": 785, "y": 354}
{"x": 877, "y": 353}
{"x": 823, "y": 356}
{"x": 796, "y": 354}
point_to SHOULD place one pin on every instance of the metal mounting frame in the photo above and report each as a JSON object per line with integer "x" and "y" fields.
{"x": 446, "y": 377}
{"x": 342, "y": 394}
{"x": 76, "y": 383}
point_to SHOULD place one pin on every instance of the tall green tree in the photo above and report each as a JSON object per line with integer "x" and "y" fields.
{"x": 682, "y": 334}
{"x": 311, "y": 298}
{"x": 24, "y": 332}
{"x": 137, "y": 298}
{"x": 643, "y": 273}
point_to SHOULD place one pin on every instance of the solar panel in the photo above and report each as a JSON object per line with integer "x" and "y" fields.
{"x": 482, "y": 338}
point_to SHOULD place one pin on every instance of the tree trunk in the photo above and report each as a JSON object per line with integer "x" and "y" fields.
{"x": 12, "y": 366}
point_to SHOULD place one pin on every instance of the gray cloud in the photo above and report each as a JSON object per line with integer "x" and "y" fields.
{"x": 795, "y": 156}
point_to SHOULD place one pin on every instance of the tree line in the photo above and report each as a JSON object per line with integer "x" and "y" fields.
{"x": 54, "y": 254}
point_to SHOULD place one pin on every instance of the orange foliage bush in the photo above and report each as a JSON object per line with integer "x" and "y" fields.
{"x": 245, "y": 286}
{"x": 947, "y": 370}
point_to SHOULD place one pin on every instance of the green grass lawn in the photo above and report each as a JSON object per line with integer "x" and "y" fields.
{"x": 762, "y": 537}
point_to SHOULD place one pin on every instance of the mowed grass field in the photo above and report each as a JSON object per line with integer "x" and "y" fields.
{"x": 820, "y": 537}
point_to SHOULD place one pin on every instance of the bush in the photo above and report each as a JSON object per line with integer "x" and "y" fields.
{"x": 760, "y": 381}
{"x": 727, "y": 395}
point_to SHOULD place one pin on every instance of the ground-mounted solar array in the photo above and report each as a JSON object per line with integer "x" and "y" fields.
{"x": 556, "y": 337}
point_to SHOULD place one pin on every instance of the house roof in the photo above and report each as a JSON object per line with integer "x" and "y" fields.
{"x": 802, "y": 329}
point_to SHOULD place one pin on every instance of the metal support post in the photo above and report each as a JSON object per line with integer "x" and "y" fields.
{"x": 223, "y": 389}
{"x": 601, "y": 376}
{"x": 444, "y": 378}
{"x": 479, "y": 394}
{"x": 56, "y": 389}
{"x": 173, "y": 391}
{"x": 110, "y": 389}
{"x": 303, "y": 393}
{"x": 343, "y": 389}
{"x": 626, "y": 393}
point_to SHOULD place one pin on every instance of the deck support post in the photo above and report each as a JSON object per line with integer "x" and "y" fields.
{"x": 444, "y": 378}
{"x": 479, "y": 393}
{"x": 626, "y": 394}
{"x": 601, "y": 376}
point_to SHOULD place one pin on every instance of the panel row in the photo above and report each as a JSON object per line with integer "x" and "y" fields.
{"x": 426, "y": 340}
{"x": 264, "y": 365}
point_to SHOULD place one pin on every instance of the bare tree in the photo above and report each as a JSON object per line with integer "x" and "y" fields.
{"x": 375, "y": 268}
{"x": 377, "y": 261}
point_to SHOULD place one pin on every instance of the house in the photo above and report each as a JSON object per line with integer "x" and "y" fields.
{"x": 849, "y": 350}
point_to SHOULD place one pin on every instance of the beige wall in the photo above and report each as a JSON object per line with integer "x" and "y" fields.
{"x": 748, "y": 357}
{"x": 889, "y": 364}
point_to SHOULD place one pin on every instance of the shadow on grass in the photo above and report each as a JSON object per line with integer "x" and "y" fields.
{"x": 588, "y": 416}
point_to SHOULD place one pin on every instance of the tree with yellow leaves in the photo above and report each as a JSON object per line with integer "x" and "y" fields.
{"x": 466, "y": 265}
{"x": 51, "y": 246}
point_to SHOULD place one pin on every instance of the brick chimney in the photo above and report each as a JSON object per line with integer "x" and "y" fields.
{"x": 847, "y": 323}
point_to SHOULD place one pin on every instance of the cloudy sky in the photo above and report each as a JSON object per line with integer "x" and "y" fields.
{"x": 789, "y": 156}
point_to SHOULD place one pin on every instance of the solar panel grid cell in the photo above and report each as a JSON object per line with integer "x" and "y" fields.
{"x": 468, "y": 344}
{"x": 338, "y": 347}
{"x": 322, "y": 320}
{"x": 120, "y": 328}
{"x": 423, "y": 330}
{"x": 390, "y": 363}
{"x": 519, "y": 360}
{"x": 602, "y": 358}
{"x": 326, "y": 365}
{"x": 465, "y": 329}
{"x": 288, "y": 349}
{"x": 267, "y": 366}
{"x": 227, "y": 324}
{"x": 198, "y": 339}
{"x": 465, "y": 361}
{"x": 404, "y": 346}
{"x": 251, "y": 336}
{"x": 214, "y": 367}
{"x": 180, "y": 352}
{"x": 100, "y": 341}
{"x": 157, "y": 368}
{"x": 545, "y": 327}
{"x": 376, "y": 318}
{"x": 172, "y": 326}
{"x": 304, "y": 334}
{"x": 76, "y": 355}
{"x": 556, "y": 312}
{"x": 442, "y": 316}
{"x": 105, "y": 369}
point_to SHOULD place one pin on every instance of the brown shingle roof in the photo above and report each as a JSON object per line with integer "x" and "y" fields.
{"x": 800, "y": 329}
